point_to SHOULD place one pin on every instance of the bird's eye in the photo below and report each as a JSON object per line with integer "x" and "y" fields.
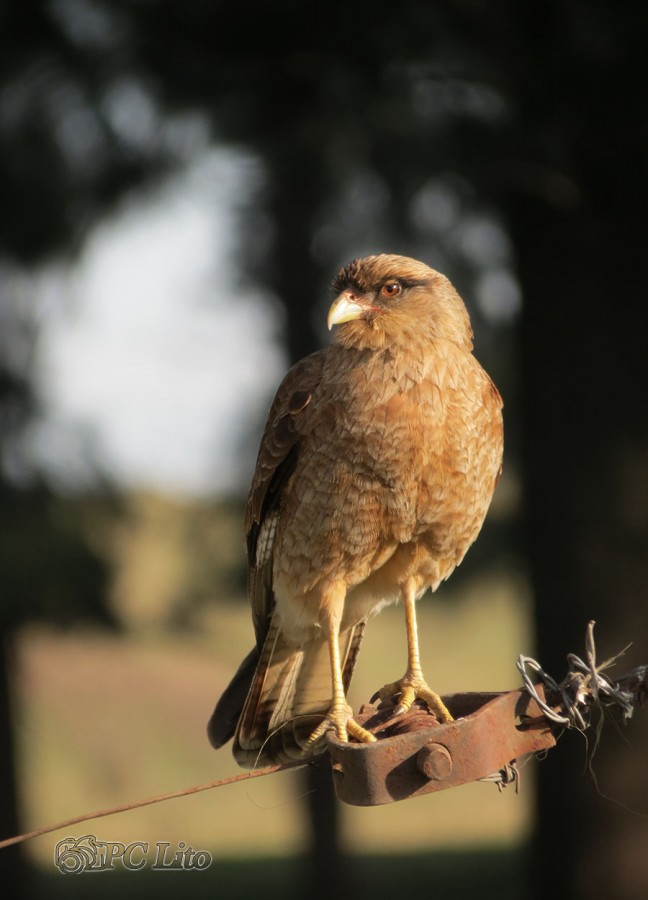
{"x": 391, "y": 289}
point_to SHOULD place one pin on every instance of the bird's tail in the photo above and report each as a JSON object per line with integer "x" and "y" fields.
{"x": 289, "y": 693}
{"x": 224, "y": 719}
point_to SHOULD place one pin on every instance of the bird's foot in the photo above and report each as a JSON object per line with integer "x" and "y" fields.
{"x": 411, "y": 688}
{"x": 340, "y": 719}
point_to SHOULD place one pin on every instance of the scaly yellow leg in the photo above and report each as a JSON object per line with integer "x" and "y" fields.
{"x": 412, "y": 685}
{"x": 340, "y": 714}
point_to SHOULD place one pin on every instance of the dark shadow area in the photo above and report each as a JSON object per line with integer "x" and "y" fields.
{"x": 487, "y": 874}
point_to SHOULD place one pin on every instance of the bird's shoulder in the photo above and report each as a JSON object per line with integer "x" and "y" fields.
{"x": 284, "y": 425}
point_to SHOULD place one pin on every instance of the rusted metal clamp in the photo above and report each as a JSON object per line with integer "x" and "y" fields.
{"x": 415, "y": 754}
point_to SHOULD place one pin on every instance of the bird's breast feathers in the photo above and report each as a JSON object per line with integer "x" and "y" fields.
{"x": 392, "y": 475}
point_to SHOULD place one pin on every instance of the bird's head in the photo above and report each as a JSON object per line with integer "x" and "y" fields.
{"x": 386, "y": 299}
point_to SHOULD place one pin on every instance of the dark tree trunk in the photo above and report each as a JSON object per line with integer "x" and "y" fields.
{"x": 576, "y": 203}
{"x": 329, "y": 872}
{"x": 585, "y": 378}
{"x": 13, "y": 871}
{"x": 299, "y": 186}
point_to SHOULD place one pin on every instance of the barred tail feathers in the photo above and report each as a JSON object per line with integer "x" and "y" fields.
{"x": 289, "y": 694}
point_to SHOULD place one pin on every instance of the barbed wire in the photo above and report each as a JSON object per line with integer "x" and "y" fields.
{"x": 585, "y": 686}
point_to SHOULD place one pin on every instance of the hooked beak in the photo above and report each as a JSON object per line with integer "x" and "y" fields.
{"x": 345, "y": 308}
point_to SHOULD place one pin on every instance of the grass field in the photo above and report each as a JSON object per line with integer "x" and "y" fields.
{"x": 104, "y": 720}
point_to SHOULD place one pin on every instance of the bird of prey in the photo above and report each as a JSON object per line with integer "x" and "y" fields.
{"x": 376, "y": 468}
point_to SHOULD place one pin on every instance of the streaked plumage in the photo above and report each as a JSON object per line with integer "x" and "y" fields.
{"x": 375, "y": 471}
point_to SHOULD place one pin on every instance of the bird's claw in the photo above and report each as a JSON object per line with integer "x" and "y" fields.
{"x": 409, "y": 689}
{"x": 344, "y": 725}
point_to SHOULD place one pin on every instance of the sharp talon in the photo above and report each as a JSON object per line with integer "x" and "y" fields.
{"x": 410, "y": 689}
{"x": 343, "y": 724}
{"x": 388, "y": 692}
{"x": 435, "y": 704}
{"x": 408, "y": 696}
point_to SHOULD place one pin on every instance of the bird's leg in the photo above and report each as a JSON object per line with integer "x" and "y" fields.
{"x": 340, "y": 714}
{"x": 412, "y": 685}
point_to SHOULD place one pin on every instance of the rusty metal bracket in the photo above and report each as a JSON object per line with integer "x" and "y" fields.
{"x": 415, "y": 754}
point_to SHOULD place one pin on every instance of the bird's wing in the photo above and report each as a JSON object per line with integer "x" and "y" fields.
{"x": 275, "y": 463}
{"x": 290, "y": 690}
{"x": 287, "y": 422}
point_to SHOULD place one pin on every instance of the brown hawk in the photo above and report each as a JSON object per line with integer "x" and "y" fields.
{"x": 376, "y": 468}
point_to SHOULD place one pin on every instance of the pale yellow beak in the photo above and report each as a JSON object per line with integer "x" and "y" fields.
{"x": 345, "y": 308}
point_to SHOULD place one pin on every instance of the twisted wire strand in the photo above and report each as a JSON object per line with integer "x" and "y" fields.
{"x": 584, "y": 687}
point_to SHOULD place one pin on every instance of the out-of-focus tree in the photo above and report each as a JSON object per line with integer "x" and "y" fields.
{"x": 62, "y": 164}
{"x": 575, "y": 203}
{"x": 49, "y": 572}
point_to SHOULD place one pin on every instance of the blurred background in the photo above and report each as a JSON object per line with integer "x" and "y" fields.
{"x": 178, "y": 185}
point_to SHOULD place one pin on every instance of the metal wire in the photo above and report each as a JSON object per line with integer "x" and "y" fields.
{"x": 584, "y": 687}
{"x": 509, "y": 774}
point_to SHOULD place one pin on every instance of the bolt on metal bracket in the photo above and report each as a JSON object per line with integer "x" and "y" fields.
{"x": 415, "y": 754}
